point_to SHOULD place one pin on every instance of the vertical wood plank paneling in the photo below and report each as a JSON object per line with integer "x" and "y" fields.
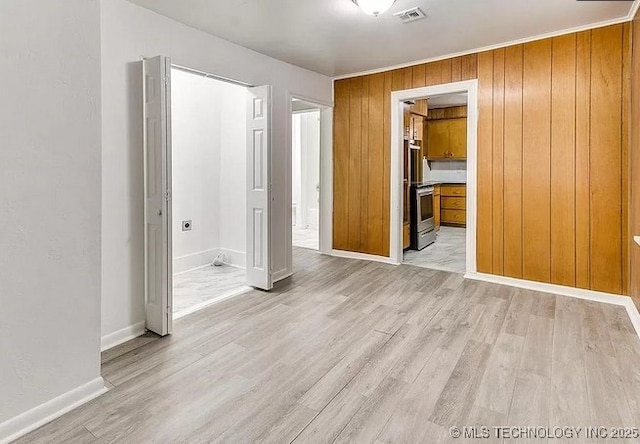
{"x": 498, "y": 163}
{"x": 376, "y": 163}
{"x": 536, "y": 181}
{"x": 456, "y": 69}
{"x": 485, "y": 134}
{"x": 438, "y": 72}
{"x": 418, "y": 76}
{"x": 397, "y": 82}
{"x": 355, "y": 163}
{"x": 365, "y": 168}
{"x": 563, "y": 142}
{"x": 583, "y": 147}
{"x": 469, "y": 67}
{"x": 605, "y": 168}
{"x": 626, "y": 131}
{"x": 553, "y": 179}
{"x": 513, "y": 162}
{"x": 445, "y": 71}
{"x": 408, "y": 78}
{"x": 634, "y": 289}
{"x": 341, "y": 142}
{"x": 388, "y": 83}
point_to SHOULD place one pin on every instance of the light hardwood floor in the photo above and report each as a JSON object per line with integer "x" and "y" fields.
{"x": 356, "y": 351}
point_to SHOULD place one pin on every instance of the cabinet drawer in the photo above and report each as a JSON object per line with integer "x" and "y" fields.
{"x": 454, "y": 190}
{"x": 454, "y": 203}
{"x": 454, "y": 216}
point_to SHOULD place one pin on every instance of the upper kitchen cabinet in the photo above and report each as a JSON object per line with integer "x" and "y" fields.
{"x": 420, "y": 107}
{"x": 447, "y": 138}
{"x": 458, "y": 138}
{"x": 413, "y": 126}
{"x": 437, "y": 139}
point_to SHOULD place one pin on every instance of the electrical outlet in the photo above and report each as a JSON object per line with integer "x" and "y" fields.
{"x": 186, "y": 225}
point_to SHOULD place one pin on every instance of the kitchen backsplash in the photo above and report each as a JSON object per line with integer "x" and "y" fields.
{"x": 447, "y": 171}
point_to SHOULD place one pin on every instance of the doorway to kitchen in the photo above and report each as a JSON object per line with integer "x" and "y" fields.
{"x": 433, "y": 201}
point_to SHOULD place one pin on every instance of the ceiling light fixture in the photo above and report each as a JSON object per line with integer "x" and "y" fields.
{"x": 374, "y": 7}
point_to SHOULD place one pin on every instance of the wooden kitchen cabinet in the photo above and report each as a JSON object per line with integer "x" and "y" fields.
{"x": 447, "y": 139}
{"x": 453, "y": 204}
{"x": 458, "y": 138}
{"x": 413, "y": 126}
{"x": 420, "y": 107}
{"x": 454, "y": 217}
{"x": 436, "y": 206}
{"x": 437, "y": 139}
{"x": 417, "y": 127}
{"x": 454, "y": 190}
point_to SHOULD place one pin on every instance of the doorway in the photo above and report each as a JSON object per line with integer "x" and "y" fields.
{"x": 305, "y": 175}
{"x": 222, "y": 181}
{"x": 311, "y": 174}
{"x": 208, "y": 145}
{"x": 433, "y": 177}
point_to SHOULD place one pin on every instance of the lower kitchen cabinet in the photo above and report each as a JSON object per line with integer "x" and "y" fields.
{"x": 454, "y": 217}
{"x": 453, "y": 205}
{"x": 436, "y": 206}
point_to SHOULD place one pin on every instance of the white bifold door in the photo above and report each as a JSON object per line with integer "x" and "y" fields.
{"x": 157, "y": 194}
{"x": 259, "y": 187}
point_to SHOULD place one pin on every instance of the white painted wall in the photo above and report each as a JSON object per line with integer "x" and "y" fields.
{"x": 129, "y": 32}
{"x": 233, "y": 173}
{"x": 209, "y": 171}
{"x": 195, "y": 121}
{"x": 49, "y": 204}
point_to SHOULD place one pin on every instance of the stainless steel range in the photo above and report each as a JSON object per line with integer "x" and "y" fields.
{"x": 423, "y": 226}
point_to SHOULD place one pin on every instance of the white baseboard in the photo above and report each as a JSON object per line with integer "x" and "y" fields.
{"x": 362, "y": 256}
{"x": 190, "y": 262}
{"x": 50, "y": 410}
{"x": 121, "y": 336}
{"x": 193, "y": 261}
{"x": 233, "y": 257}
{"x": 590, "y": 295}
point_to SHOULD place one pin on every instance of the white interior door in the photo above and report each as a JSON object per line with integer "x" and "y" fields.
{"x": 259, "y": 187}
{"x": 157, "y": 193}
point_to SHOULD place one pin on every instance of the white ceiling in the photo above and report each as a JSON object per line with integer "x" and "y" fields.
{"x": 334, "y": 37}
{"x": 447, "y": 100}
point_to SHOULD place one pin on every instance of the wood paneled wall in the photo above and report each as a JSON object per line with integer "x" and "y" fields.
{"x": 553, "y": 177}
{"x": 635, "y": 163}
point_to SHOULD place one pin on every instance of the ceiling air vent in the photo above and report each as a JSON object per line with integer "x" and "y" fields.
{"x": 410, "y": 15}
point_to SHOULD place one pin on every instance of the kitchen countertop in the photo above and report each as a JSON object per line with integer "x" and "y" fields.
{"x": 440, "y": 182}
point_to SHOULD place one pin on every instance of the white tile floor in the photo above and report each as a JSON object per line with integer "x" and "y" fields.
{"x": 306, "y": 238}
{"x": 447, "y": 253}
{"x": 196, "y": 289}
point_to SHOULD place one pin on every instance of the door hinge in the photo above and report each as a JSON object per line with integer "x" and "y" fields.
{"x": 167, "y": 196}
{"x": 167, "y": 80}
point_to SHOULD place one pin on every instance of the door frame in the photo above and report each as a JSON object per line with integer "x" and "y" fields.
{"x": 325, "y": 220}
{"x": 212, "y": 76}
{"x": 397, "y": 142}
